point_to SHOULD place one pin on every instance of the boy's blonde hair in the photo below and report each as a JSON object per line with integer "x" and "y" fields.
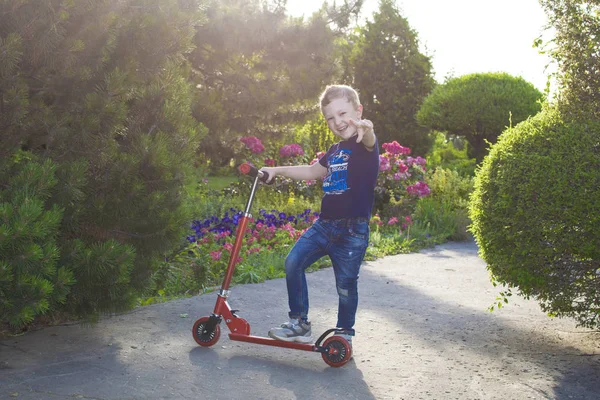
{"x": 333, "y": 92}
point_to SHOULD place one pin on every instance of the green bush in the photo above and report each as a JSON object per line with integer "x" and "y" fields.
{"x": 449, "y": 186}
{"x": 478, "y": 107}
{"x": 536, "y": 214}
{"x": 443, "y": 213}
{"x": 451, "y": 153}
{"x": 441, "y": 220}
{"x": 32, "y": 281}
{"x": 107, "y": 96}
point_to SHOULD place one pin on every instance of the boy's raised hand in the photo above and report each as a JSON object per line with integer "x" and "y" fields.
{"x": 363, "y": 127}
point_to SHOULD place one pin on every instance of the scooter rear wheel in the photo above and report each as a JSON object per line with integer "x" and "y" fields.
{"x": 338, "y": 351}
{"x": 203, "y": 336}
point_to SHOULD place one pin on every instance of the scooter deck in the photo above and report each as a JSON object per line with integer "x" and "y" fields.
{"x": 272, "y": 342}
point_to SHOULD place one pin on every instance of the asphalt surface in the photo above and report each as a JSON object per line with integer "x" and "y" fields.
{"x": 423, "y": 332}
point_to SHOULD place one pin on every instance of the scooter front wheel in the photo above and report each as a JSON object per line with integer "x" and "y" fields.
{"x": 203, "y": 336}
{"x": 337, "y": 351}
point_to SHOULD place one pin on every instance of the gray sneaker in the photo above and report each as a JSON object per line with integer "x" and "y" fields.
{"x": 347, "y": 337}
{"x": 293, "y": 331}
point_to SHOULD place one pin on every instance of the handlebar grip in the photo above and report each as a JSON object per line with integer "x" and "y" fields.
{"x": 252, "y": 171}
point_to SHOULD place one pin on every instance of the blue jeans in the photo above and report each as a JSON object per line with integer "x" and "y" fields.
{"x": 345, "y": 241}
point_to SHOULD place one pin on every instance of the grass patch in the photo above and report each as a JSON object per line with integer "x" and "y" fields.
{"x": 220, "y": 182}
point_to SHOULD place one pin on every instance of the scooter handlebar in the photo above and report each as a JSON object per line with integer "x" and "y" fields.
{"x": 252, "y": 171}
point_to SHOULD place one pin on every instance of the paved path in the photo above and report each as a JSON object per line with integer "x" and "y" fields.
{"x": 424, "y": 332}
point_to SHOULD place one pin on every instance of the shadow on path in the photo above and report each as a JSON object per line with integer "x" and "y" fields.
{"x": 440, "y": 316}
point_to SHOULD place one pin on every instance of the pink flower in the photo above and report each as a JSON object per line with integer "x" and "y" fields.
{"x": 384, "y": 163}
{"x": 215, "y": 255}
{"x": 253, "y": 143}
{"x": 269, "y": 162}
{"x": 395, "y": 148}
{"x": 392, "y": 221}
{"x": 291, "y": 150}
{"x": 253, "y": 250}
{"x": 222, "y": 235}
{"x": 297, "y": 149}
{"x": 420, "y": 161}
{"x": 420, "y": 189}
{"x": 402, "y": 168}
{"x": 228, "y": 246}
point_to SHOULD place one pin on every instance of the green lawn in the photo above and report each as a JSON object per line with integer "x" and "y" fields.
{"x": 220, "y": 182}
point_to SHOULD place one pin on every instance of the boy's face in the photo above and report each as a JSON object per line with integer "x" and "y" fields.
{"x": 338, "y": 114}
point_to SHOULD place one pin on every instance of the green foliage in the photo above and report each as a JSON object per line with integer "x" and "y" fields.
{"x": 575, "y": 49}
{"x": 392, "y": 76}
{"x": 32, "y": 280}
{"x": 102, "y": 88}
{"x": 219, "y": 183}
{"x": 440, "y": 220}
{"x": 258, "y": 73}
{"x": 15, "y": 97}
{"x": 342, "y": 13}
{"x": 443, "y": 214}
{"x": 199, "y": 267}
{"x": 103, "y": 272}
{"x": 450, "y": 153}
{"x": 536, "y": 212}
{"x": 315, "y": 136}
{"x": 449, "y": 186}
{"x": 387, "y": 244}
{"x": 479, "y": 107}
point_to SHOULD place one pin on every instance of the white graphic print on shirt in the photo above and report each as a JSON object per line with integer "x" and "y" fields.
{"x": 336, "y": 181}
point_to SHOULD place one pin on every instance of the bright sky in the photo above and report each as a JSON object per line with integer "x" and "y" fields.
{"x": 466, "y": 36}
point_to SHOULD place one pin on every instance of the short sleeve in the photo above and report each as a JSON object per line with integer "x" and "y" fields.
{"x": 323, "y": 160}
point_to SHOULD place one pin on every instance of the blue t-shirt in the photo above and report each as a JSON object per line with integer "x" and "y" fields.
{"x": 349, "y": 185}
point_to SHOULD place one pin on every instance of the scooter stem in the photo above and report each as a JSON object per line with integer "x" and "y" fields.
{"x": 239, "y": 237}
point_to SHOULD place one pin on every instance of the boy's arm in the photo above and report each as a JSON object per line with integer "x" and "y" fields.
{"x": 369, "y": 140}
{"x": 298, "y": 172}
{"x": 365, "y": 133}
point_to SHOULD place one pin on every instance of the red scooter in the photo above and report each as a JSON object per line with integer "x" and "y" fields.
{"x": 335, "y": 350}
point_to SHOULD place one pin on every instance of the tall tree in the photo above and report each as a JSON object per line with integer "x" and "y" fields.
{"x": 258, "y": 72}
{"x": 392, "y": 76}
{"x": 342, "y": 16}
{"x": 479, "y": 107}
{"x": 576, "y": 49}
{"x": 102, "y": 88}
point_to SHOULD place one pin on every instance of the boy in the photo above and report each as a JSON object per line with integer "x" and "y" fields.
{"x": 350, "y": 169}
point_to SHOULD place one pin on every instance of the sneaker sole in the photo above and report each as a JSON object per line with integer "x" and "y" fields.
{"x": 296, "y": 339}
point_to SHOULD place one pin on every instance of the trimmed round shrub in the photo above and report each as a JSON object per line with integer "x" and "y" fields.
{"x": 536, "y": 214}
